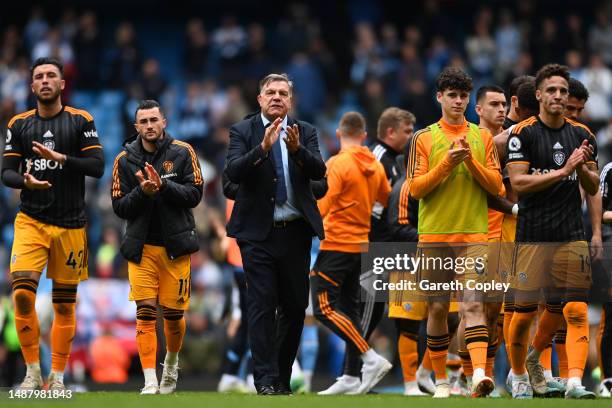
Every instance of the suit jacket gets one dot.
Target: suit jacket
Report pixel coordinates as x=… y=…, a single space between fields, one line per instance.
x=248 y=166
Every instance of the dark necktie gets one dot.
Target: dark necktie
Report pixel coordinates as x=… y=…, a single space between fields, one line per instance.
x=281 y=189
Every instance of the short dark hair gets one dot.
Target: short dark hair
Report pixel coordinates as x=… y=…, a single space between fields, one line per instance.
x=482 y=91
x=526 y=96
x=578 y=90
x=45 y=61
x=517 y=82
x=352 y=124
x=551 y=70
x=148 y=104
x=454 y=78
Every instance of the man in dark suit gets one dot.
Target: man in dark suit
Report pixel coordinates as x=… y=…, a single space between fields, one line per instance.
x=274 y=158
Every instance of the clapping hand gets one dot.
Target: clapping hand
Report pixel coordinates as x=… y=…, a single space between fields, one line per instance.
x=271 y=135
x=150 y=186
x=292 y=140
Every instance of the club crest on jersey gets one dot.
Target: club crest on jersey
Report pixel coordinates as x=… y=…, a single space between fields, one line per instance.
x=514 y=144
x=167 y=166
x=49 y=144
x=559 y=157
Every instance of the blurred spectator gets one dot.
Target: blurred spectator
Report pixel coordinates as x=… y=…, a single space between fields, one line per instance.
x=295 y=31
x=600 y=36
x=573 y=35
x=573 y=59
x=308 y=86
x=69 y=25
x=389 y=40
x=15 y=81
x=87 y=46
x=124 y=58
x=36 y=28
x=365 y=50
x=257 y=63
x=546 y=45
x=438 y=57
x=412 y=81
x=507 y=42
x=374 y=102
x=108 y=256
x=598 y=80
x=229 y=42
x=152 y=83
x=194 y=116
x=481 y=50
x=109 y=360
x=53 y=45
x=196 y=49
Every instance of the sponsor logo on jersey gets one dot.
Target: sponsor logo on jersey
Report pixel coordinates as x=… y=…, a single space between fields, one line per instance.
x=514 y=144
x=8 y=147
x=559 y=157
x=168 y=166
x=90 y=133
x=48 y=134
x=41 y=164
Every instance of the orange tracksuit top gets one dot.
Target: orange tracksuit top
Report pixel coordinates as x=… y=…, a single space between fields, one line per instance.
x=356 y=180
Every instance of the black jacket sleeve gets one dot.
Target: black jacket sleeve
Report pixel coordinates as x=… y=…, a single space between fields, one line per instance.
x=230 y=190
x=128 y=201
x=308 y=157
x=319 y=188
x=240 y=161
x=91 y=163
x=188 y=192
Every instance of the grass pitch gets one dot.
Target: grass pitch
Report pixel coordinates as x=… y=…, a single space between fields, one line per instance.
x=213 y=399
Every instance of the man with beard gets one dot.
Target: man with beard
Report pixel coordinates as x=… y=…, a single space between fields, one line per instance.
x=156 y=182
x=49 y=151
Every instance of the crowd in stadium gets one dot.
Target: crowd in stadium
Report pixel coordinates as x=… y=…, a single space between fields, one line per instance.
x=210 y=82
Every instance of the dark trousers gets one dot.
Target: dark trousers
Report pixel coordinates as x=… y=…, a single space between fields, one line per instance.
x=277 y=295
x=239 y=343
x=335 y=298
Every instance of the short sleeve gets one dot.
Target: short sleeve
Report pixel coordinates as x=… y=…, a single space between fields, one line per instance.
x=13 y=146
x=89 y=136
x=518 y=146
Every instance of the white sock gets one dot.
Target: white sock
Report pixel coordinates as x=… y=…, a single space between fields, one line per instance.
x=171 y=358
x=410 y=384
x=59 y=375
x=478 y=373
x=520 y=377
x=423 y=372
x=33 y=367
x=369 y=356
x=150 y=375
x=548 y=375
x=510 y=373
x=442 y=381
x=574 y=382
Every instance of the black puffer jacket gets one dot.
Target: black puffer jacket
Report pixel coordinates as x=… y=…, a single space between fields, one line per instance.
x=178 y=166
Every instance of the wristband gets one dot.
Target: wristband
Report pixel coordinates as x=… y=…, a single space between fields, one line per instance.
x=515 y=210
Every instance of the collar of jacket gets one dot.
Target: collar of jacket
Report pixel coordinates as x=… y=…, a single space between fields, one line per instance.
x=136 y=152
